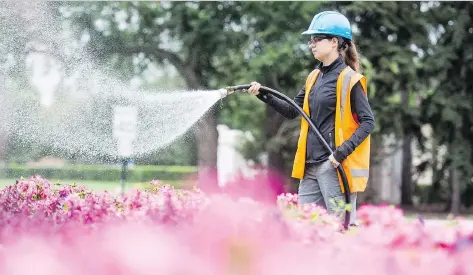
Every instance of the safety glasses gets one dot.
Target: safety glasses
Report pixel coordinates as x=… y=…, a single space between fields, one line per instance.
x=316 y=38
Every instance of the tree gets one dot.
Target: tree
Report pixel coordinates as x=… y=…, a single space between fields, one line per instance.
x=17 y=97
x=391 y=35
x=448 y=108
x=276 y=55
x=187 y=35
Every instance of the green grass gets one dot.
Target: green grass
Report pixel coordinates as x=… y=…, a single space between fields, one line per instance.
x=94 y=185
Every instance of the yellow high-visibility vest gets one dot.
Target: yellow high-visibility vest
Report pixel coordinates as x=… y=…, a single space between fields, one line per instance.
x=356 y=165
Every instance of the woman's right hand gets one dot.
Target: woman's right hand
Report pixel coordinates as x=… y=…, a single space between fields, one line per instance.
x=254 y=89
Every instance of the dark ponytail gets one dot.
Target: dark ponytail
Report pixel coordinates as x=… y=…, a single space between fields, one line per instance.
x=350 y=55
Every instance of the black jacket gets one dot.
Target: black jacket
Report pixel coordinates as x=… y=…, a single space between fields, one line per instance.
x=322 y=101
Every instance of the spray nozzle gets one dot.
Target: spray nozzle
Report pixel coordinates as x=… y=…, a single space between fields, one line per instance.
x=231 y=89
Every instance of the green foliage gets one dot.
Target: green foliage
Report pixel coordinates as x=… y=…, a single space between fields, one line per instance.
x=242 y=111
x=181 y=33
x=448 y=108
x=386 y=33
x=190 y=36
x=181 y=151
x=277 y=56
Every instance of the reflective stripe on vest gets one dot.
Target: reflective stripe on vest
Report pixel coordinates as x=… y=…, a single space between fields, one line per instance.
x=346 y=82
x=360 y=173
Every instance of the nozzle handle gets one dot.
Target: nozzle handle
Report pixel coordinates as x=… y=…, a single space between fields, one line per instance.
x=239 y=87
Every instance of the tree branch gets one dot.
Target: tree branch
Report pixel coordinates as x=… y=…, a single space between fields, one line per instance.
x=187 y=71
x=155 y=52
x=275 y=82
x=193 y=57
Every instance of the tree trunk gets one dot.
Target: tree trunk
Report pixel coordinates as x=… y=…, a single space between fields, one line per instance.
x=406 y=174
x=372 y=193
x=455 y=187
x=406 y=185
x=3 y=141
x=434 y=189
x=274 y=121
x=206 y=135
x=275 y=158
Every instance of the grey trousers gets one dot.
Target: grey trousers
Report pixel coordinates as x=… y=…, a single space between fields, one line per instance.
x=320 y=185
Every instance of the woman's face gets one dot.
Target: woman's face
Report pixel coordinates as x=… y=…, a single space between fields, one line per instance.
x=322 y=46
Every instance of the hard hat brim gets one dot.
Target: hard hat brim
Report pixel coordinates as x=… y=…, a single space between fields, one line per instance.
x=311 y=32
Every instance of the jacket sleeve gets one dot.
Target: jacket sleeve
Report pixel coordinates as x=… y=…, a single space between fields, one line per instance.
x=281 y=106
x=362 y=108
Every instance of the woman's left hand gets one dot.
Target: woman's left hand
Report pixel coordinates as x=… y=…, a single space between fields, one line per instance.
x=333 y=161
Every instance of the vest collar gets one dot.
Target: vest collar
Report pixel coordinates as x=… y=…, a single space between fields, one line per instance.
x=325 y=69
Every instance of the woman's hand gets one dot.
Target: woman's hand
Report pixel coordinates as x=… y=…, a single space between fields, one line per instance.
x=254 y=89
x=334 y=162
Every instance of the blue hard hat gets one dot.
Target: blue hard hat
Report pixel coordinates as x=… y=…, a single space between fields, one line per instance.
x=331 y=23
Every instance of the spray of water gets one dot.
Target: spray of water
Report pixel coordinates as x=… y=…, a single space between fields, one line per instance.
x=76 y=115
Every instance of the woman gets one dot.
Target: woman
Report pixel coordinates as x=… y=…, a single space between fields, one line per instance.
x=334 y=88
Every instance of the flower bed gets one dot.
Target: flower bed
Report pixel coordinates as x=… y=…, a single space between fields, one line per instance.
x=49 y=229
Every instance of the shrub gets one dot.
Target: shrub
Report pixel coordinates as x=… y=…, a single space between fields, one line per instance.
x=141 y=173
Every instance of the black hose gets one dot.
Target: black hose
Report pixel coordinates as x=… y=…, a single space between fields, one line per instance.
x=314 y=128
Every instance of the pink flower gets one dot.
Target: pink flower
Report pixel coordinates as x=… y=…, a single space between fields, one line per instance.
x=47 y=229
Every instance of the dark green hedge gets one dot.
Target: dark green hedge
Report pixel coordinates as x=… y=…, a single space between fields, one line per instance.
x=140 y=173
